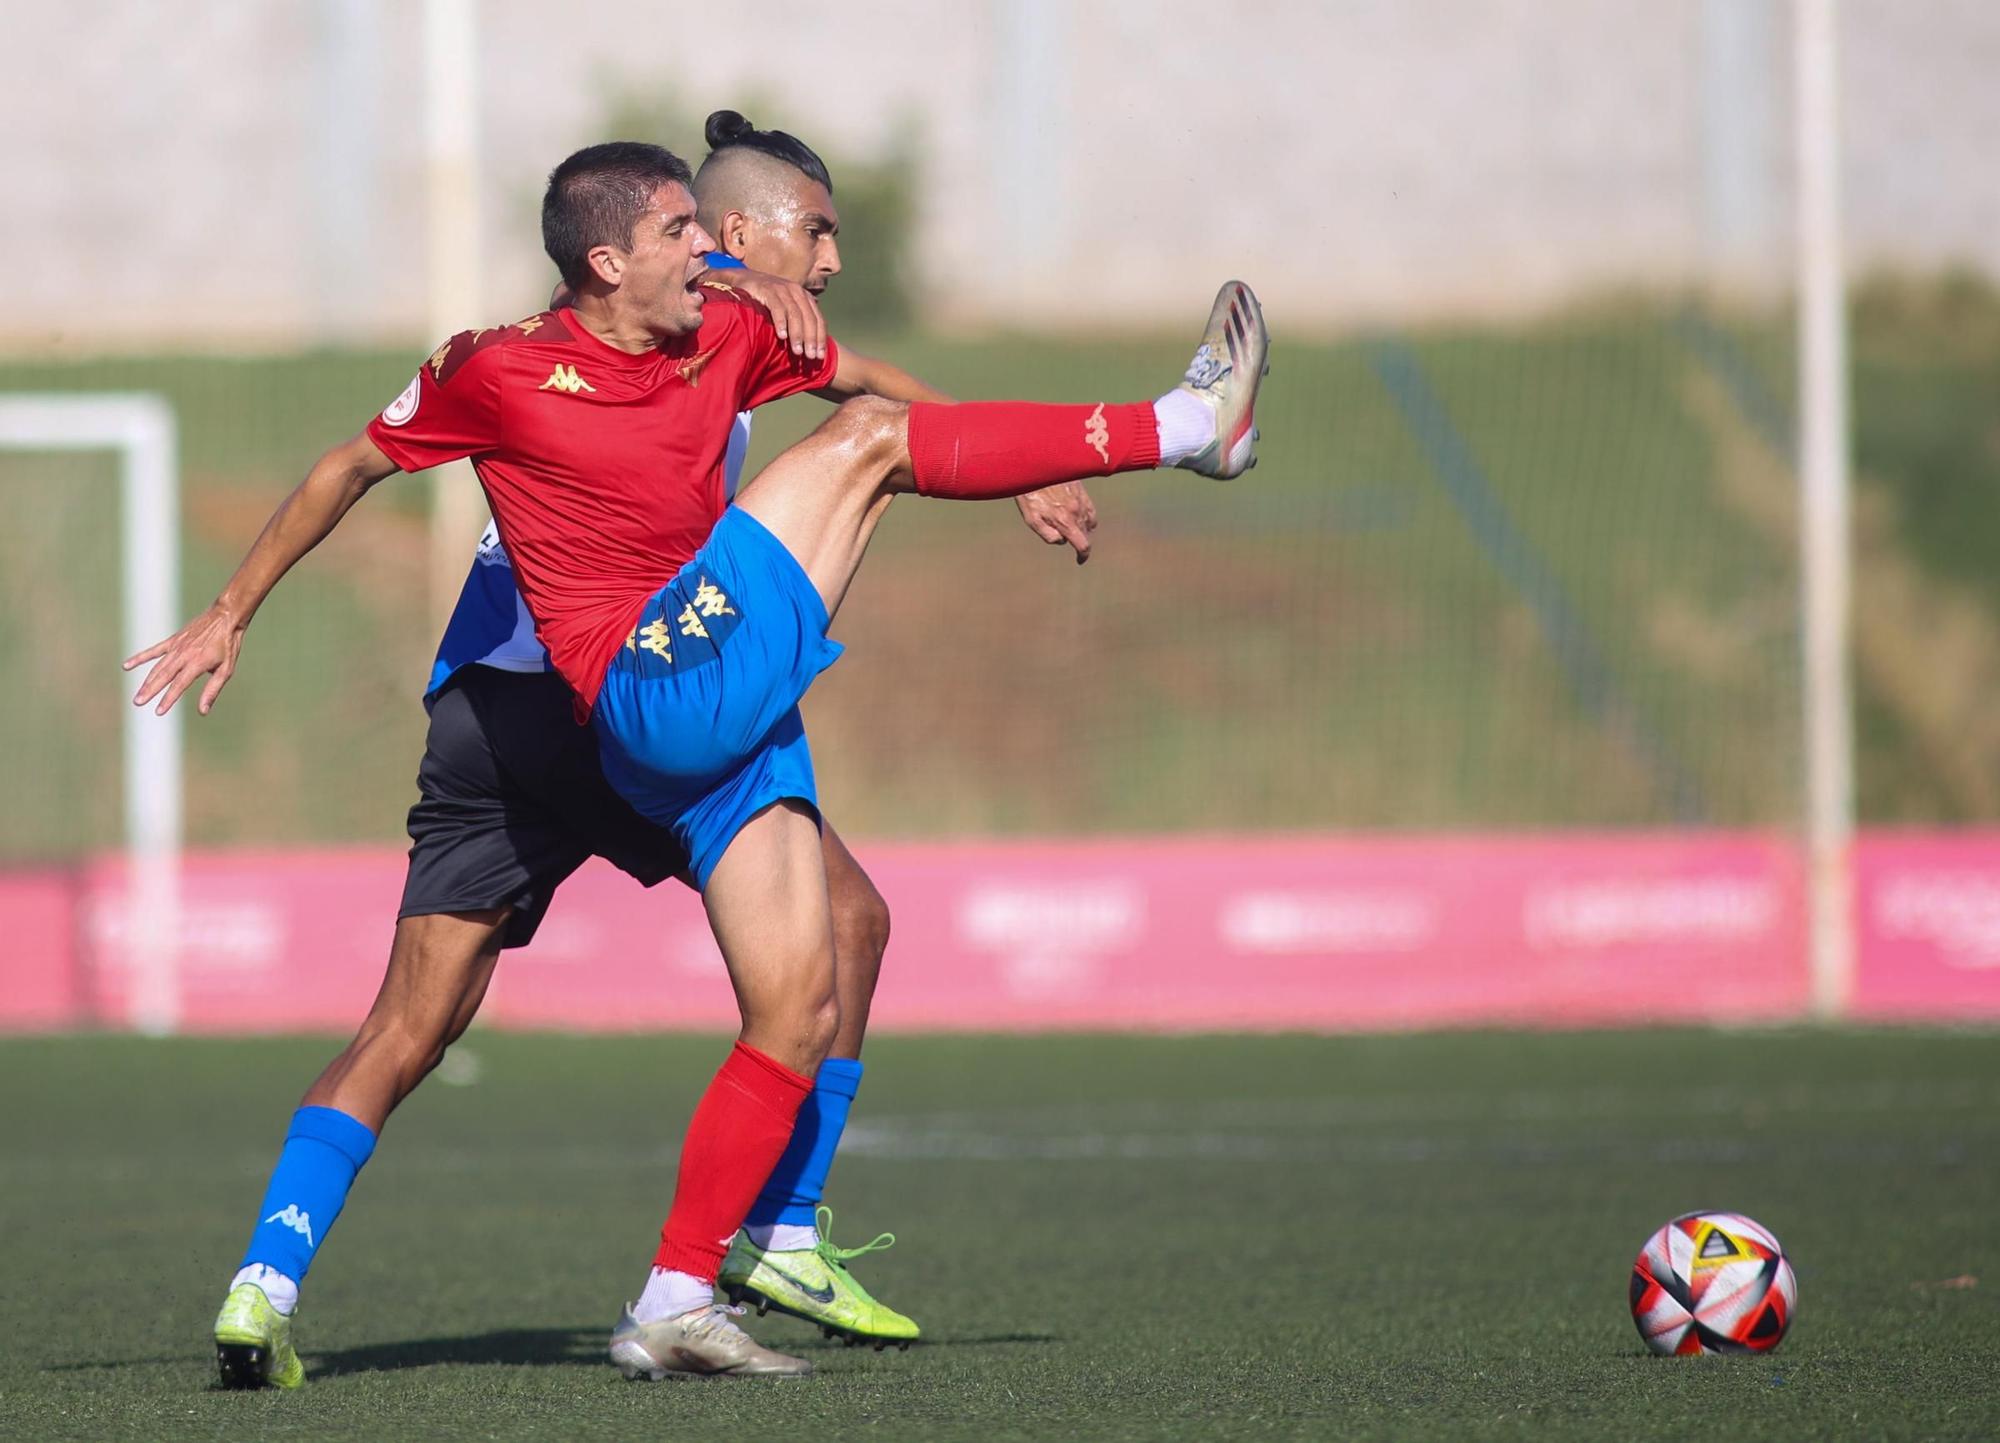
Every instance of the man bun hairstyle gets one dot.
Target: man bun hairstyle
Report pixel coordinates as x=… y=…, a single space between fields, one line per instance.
x=728 y=130
x=596 y=197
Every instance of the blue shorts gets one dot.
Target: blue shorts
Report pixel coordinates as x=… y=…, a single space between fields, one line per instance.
x=698 y=720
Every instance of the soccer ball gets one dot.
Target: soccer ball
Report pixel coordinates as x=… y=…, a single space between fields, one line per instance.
x=1713 y=1283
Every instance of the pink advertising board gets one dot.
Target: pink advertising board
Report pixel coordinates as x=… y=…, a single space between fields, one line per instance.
x=41 y=981
x=1927 y=912
x=1182 y=933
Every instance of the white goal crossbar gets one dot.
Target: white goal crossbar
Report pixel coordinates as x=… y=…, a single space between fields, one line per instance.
x=140 y=428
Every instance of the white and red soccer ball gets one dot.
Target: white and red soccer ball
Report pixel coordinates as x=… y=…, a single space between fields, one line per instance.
x=1713 y=1283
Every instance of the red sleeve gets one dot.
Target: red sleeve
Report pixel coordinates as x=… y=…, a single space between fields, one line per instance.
x=770 y=371
x=449 y=411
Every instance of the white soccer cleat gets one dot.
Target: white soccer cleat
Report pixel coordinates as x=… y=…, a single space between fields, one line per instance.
x=1228 y=366
x=705 y=1343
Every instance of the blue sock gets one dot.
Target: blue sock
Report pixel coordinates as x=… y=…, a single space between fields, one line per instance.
x=323 y=1151
x=799 y=1180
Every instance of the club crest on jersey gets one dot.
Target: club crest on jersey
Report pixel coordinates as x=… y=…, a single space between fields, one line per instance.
x=694 y=365
x=565 y=379
x=399 y=411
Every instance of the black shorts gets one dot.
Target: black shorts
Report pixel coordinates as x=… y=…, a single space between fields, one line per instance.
x=512 y=799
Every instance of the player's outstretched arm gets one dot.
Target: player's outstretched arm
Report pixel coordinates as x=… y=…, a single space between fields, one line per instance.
x=1060 y=515
x=208 y=645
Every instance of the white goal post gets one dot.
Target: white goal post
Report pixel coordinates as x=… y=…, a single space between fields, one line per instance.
x=1825 y=508
x=141 y=430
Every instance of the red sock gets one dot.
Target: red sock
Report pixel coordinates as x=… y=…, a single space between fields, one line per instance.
x=738 y=1133
x=987 y=449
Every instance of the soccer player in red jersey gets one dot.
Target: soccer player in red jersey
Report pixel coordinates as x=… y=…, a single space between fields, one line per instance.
x=512 y=796
x=512 y=799
x=689 y=630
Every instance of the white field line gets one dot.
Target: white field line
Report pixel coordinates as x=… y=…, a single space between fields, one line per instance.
x=1357 y=1131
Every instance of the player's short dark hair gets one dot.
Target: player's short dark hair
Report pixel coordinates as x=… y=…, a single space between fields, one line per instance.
x=728 y=130
x=596 y=197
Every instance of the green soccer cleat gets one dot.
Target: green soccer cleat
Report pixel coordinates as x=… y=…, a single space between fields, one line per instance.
x=253 y=1342
x=813 y=1284
x=1228 y=367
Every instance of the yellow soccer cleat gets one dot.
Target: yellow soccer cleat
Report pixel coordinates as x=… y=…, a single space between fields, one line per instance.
x=253 y=1342
x=813 y=1284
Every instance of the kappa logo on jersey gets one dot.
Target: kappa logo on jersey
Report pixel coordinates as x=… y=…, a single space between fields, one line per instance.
x=291 y=1217
x=1097 y=432
x=436 y=362
x=693 y=366
x=565 y=379
x=399 y=411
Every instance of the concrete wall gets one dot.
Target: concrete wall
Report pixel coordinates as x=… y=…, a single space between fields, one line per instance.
x=253 y=172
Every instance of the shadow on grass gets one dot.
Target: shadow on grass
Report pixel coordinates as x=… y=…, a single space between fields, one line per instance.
x=521 y=1347
x=517 y=1347
x=836 y=1345
x=560 y=1347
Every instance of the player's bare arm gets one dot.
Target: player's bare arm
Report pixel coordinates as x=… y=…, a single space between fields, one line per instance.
x=208 y=645
x=1060 y=515
x=793 y=310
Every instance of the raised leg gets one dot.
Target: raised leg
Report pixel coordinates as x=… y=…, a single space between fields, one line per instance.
x=824 y=497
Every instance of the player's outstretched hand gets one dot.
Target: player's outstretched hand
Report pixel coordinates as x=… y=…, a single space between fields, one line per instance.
x=1061 y=515
x=793 y=310
x=209 y=643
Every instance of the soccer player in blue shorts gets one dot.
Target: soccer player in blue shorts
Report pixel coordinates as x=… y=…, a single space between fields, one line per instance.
x=689 y=627
x=767 y=199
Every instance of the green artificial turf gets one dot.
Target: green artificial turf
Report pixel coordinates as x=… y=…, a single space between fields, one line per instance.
x=1413 y=1237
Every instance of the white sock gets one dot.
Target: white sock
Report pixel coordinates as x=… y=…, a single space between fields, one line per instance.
x=1186 y=425
x=783 y=1237
x=668 y=1294
x=281 y=1290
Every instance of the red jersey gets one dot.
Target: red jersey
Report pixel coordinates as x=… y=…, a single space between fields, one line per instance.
x=604 y=469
